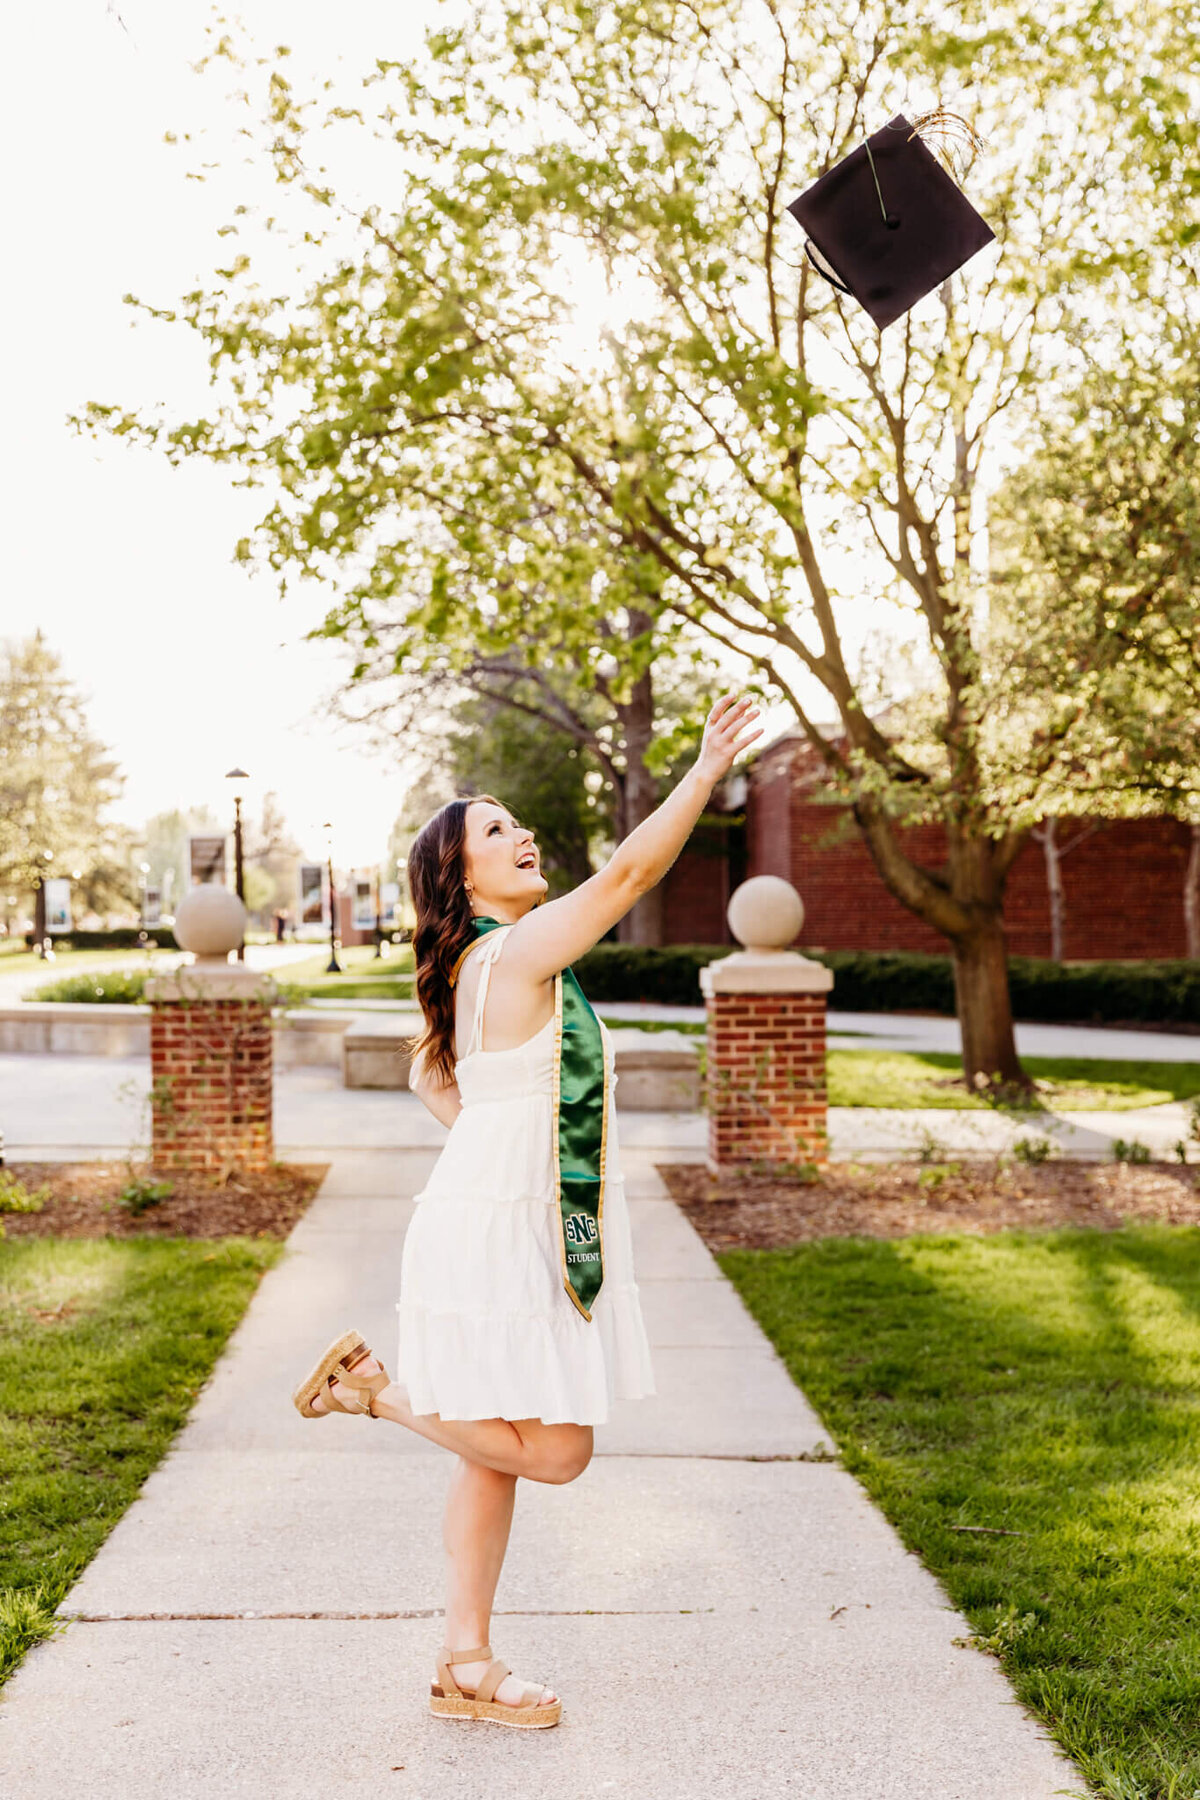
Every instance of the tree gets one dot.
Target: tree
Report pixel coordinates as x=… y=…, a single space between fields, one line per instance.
x=165 y=847
x=625 y=755
x=1098 y=582
x=429 y=428
x=272 y=857
x=56 y=781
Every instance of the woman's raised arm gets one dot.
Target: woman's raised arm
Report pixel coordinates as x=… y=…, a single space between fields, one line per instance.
x=553 y=936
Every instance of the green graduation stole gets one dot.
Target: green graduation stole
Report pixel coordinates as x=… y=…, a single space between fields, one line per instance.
x=581 y=1094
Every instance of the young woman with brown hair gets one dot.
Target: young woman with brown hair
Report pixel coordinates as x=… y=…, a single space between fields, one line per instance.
x=519 y=1319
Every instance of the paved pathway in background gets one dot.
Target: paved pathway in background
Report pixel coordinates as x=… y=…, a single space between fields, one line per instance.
x=16 y=982
x=55 y=1106
x=721 y=1614
x=912 y=1031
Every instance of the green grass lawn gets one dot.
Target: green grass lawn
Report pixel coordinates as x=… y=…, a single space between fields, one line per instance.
x=365 y=978
x=1041 y=1384
x=903 y=1078
x=68 y=962
x=927 y=1078
x=104 y=1345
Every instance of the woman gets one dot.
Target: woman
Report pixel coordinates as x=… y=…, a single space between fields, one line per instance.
x=519 y=1314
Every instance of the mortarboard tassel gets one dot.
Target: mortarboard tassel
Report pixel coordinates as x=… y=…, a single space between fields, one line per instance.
x=942 y=131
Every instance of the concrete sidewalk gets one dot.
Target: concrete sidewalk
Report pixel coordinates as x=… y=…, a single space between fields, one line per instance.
x=56 y=1107
x=263 y=1620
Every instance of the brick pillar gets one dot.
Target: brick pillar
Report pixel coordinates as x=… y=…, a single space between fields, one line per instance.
x=766 y=1092
x=211 y=1069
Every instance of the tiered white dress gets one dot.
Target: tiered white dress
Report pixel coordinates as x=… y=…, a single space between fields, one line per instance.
x=486 y=1327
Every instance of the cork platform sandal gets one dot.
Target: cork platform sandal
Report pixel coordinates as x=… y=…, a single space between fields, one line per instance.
x=449 y=1701
x=335 y=1364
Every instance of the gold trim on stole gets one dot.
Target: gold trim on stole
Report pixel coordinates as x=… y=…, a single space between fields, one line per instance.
x=555 y=1098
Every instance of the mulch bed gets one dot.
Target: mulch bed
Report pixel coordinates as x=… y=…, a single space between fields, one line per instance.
x=886 y=1200
x=85 y=1202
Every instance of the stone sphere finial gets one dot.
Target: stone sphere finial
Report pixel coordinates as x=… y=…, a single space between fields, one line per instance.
x=765 y=913
x=209 y=921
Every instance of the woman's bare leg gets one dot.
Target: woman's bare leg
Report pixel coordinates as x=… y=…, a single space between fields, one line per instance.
x=479 y=1510
x=553 y=1453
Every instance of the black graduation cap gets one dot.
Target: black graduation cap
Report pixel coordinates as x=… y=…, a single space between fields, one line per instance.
x=887 y=224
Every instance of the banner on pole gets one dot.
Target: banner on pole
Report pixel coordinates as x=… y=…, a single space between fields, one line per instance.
x=364 y=900
x=313 y=885
x=58 y=904
x=206 y=860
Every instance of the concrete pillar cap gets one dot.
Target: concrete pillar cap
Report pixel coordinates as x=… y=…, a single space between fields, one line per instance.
x=210 y=921
x=765 y=914
x=211 y=981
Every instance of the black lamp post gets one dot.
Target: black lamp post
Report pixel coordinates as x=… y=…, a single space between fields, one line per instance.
x=333 y=966
x=239 y=869
x=143 y=934
x=378 y=957
x=39 y=904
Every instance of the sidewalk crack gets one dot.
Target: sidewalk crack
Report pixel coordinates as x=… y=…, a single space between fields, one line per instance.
x=425 y=1612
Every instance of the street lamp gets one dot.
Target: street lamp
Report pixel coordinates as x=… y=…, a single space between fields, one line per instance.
x=144 y=869
x=378 y=957
x=239 y=873
x=333 y=966
x=39 y=905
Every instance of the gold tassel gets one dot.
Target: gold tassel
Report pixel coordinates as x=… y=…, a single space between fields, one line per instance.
x=948 y=135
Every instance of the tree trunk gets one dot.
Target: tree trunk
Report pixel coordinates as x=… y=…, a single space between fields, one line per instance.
x=1191 y=896
x=964 y=902
x=984 y=1006
x=1054 y=888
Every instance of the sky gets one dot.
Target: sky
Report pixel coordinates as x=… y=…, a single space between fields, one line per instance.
x=191 y=665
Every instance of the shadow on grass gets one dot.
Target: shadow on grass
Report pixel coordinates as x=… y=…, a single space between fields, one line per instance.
x=1043 y=1384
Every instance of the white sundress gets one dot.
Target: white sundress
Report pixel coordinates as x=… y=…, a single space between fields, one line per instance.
x=486 y=1327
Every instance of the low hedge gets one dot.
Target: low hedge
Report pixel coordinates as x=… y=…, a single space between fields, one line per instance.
x=124 y=987
x=669 y=976
x=1095 y=993
x=1098 y=993
x=124 y=937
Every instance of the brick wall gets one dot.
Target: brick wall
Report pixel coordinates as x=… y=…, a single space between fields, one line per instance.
x=348 y=932
x=210 y=1071
x=1122 y=879
x=700 y=882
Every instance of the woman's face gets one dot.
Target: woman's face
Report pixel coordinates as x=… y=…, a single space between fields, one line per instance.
x=494 y=847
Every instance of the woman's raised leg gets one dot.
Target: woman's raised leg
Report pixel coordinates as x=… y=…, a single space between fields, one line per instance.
x=539 y=1452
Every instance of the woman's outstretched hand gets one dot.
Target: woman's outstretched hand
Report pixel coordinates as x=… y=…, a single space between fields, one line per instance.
x=722 y=742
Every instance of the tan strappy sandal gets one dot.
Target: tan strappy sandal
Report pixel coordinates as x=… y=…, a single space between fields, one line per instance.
x=335 y=1364
x=450 y=1701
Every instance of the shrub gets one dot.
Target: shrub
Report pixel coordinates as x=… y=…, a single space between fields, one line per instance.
x=1133 y=1151
x=124 y=937
x=669 y=976
x=1125 y=993
x=126 y=986
x=1032 y=1150
x=142 y=1193
x=15 y=1197
x=936 y=1173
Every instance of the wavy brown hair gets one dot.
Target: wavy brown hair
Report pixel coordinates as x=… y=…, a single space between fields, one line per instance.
x=445 y=927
